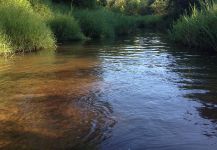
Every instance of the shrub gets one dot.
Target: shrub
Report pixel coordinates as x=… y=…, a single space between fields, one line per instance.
x=94 y=23
x=65 y=28
x=103 y=23
x=131 y=7
x=79 y=3
x=160 y=7
x=124 y=24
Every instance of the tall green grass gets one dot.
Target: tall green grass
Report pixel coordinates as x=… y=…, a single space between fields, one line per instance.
x=25 y=30
x=103 y=23
x=5 y=45
x=199 y=30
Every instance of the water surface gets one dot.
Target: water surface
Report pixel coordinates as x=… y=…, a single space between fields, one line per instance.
x=134 y=93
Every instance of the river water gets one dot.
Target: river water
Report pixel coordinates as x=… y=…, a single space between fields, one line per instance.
x=134 y=93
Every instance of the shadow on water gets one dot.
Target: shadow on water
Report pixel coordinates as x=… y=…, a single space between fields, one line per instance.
x=198 y=74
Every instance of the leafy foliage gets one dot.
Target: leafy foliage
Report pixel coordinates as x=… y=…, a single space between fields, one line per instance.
x=79 y=3
x=197 y=30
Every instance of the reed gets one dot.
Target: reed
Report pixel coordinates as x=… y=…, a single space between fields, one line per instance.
x=197 y=30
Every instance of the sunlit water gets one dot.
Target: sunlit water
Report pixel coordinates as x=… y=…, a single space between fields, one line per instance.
x=136 y=93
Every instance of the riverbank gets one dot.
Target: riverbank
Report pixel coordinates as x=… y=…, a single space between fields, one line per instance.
x=197 y=30
x=33 y=25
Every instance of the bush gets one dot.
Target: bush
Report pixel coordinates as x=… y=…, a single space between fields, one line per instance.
x=43 y=9
x=160 y=7
x=65 y=28
x=131 y=7
x=25 y=30
x=94 y=23
x=197 y=30
x=103 y=23
x=124 y=24
x=79 y=3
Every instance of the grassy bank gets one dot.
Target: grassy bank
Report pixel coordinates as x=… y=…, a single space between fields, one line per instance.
x=21 y=29
x=30 y=25
x=102 y=23
x=197 y=30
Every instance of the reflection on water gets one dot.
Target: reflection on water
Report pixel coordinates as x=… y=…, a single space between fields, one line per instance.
x=134 y=93
x=199 y=76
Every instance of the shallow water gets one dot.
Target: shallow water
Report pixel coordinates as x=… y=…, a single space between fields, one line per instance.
x=134 y=93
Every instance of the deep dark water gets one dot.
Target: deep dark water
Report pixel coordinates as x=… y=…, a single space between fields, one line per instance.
x=135 y=93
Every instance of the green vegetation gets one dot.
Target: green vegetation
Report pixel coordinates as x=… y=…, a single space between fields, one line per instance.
x=60 y=20
x=103 y=23
x=197 y=30
x=29 y=25
x=65 y=28
x=5 y=45
x=21 y=29
x=95 y=23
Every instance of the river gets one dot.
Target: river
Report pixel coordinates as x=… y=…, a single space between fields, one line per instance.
x=134 y=93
